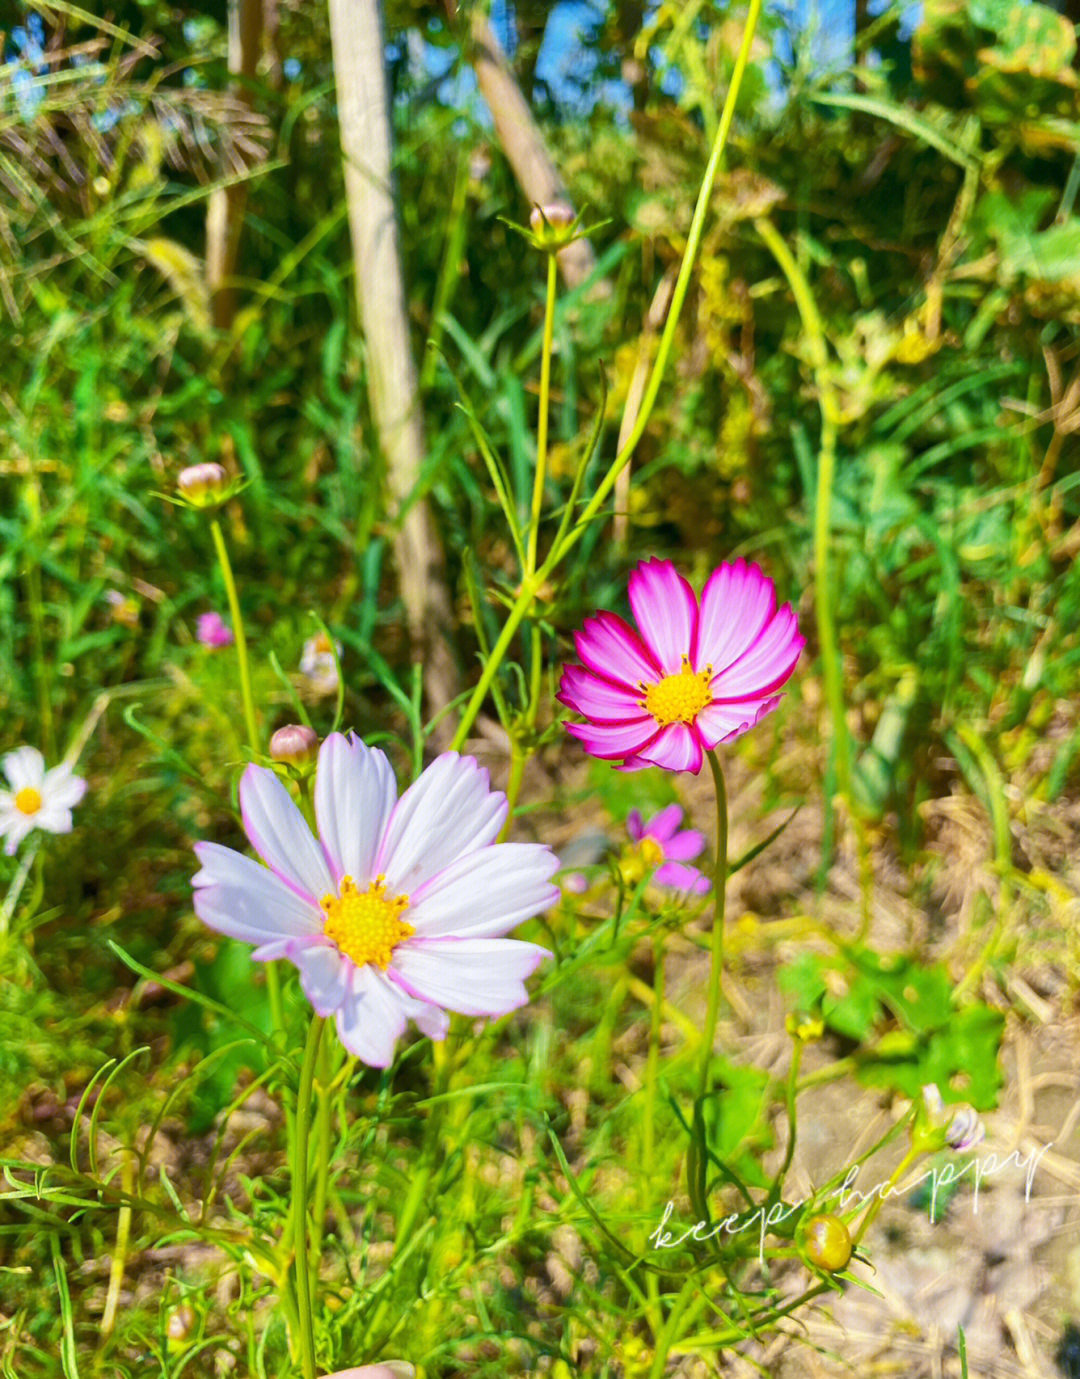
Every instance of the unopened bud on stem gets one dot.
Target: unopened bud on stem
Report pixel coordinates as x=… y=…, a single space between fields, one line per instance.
x=295 y=745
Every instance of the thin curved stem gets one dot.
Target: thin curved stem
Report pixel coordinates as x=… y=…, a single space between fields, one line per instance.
x=250 y=721
x=304 y=1288
x=542 y=416
x=720 y=875
x=570 y=538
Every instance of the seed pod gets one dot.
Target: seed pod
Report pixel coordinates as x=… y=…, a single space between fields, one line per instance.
x=827 y=1243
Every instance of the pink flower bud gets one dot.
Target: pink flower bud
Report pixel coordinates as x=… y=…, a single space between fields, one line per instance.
x=203 y=485
x=295 y=744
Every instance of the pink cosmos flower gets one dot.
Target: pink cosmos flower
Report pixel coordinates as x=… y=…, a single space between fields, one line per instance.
x=667 y=850
x=397 y=910
x=211 y=630
x=691 y=677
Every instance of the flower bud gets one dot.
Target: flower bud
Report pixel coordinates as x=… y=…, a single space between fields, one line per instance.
x=203 y=485
x=827 y=1243
x=295 y=745
x=553 y=226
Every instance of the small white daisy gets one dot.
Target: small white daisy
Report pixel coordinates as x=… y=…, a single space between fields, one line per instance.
x=397 y=910
x=37 y=798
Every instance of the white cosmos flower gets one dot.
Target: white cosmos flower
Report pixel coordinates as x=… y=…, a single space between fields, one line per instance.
x=397 y=910
x=37 y=798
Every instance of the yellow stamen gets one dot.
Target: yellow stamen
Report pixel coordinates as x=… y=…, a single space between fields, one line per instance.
x=366 y=925
x=28 y=800
x=678 y=698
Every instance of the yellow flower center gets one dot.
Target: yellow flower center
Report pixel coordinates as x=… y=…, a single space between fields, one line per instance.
x=366 y=925
x=28 y=800
x=678 y=698
x=651 y=852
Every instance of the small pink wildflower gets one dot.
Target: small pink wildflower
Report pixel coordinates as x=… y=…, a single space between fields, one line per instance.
x=663 y=847
x=211 y=630
x=694 y=675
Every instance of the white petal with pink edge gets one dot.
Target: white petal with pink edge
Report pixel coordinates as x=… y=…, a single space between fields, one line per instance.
x=665 y=610
x=355 y=793
x=281 y=836
x=238 y=897
x=472 y=976
x=486 y=893
x=324 y=975
x=448 y=812
x=372 y=1017
x=61 y=787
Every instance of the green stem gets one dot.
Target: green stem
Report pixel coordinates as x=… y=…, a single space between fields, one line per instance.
x=324 y=1076
x=238 y=632
x=648 y=1147
x=542 y=417
x=304 y=1288
x=561 y=548
x=720 y=875
x=273 y=979
x=830 y=420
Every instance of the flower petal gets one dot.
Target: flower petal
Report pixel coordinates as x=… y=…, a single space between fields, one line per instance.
x=766 y=663
x=474 y=976
x=676 y=748
x=662 y=826
x=611 y=740
x=16 y=830
x=61 y=787
x=635 y=826
x=372 y=1017
x=355 y=793
x=53 y=818
x=736 y=603
x=678 y=877
x=448 y=812
x=324 y=975
x=24 y=768
x=599 y=699
x=685 y=846
x=281 y=836
x=722 y=722
x=610 y=647
x=665 y=610
x=237 y=897
x=487 y=893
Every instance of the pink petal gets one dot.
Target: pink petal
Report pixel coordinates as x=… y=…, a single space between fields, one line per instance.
x=665 y=610
x=611 y=740
x=736 y=603
x=635 y=826
x=722 y=722
x=685 y=846
x=471 y=976
x=766 y=663
x=608 y=646
x=663 y=825
x=676 y=748
x=681 y=878
x=598 y=699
